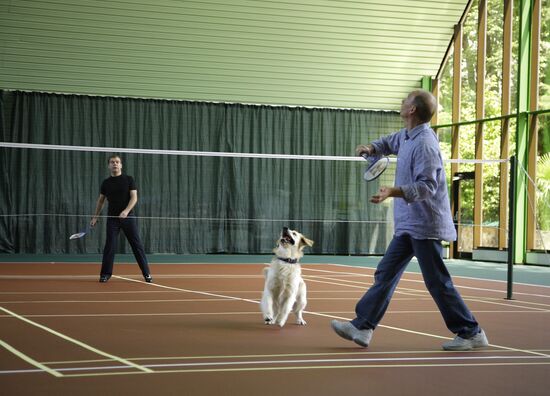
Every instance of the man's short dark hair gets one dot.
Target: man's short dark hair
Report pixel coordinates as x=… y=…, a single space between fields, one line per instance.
x=425 y=104
x=113 y=156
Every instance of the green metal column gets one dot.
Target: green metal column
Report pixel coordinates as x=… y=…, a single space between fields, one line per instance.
x=522 y=133
x=426 y=83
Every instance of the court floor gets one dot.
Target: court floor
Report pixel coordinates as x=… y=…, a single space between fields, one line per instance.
x=197 y=330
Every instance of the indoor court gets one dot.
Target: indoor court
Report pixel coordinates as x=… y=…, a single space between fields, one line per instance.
x=173 y=172
x=198 y=330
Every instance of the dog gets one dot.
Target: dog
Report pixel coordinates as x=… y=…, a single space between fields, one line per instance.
x=284 y=289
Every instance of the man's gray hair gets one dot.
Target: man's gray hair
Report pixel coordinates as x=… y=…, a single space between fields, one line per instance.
x=425 y=104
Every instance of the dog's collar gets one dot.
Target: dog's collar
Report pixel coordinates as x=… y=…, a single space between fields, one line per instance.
x=288 y=260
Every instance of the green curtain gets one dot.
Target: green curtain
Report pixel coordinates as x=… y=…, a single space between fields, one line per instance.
x=190 y=204
x=6 y=205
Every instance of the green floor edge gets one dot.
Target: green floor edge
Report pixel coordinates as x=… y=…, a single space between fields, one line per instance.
x=535 y=275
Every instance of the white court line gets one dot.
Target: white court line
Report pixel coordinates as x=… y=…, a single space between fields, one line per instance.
x=165 y=276
x=28 y=359
x=294 y=368
x=74 y=341
x=318 y=314
x=302 y=361
x=421 y=281
x=224 y=298
x=306 y=266
x=116 y=315
x=110 y=301
x=397 y=291
x=502 y=299
x=154 y=291
x=45 y=293
x=187 y=290
x=511 y=304
x=521 y=360
x=329 y=316
x=289 y=355
x=184 y=358
x=363 y=287
x=418 y=273
x=441 y=337
x=415 y=298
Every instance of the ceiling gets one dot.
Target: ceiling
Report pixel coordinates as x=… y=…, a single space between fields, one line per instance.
x=363 y=54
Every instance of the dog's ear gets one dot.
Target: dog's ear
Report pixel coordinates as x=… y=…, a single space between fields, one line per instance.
x=305 y=242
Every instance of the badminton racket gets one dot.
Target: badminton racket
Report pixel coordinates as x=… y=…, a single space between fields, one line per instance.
x=377 y=166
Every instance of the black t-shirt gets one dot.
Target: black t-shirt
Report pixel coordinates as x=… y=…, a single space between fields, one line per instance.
x=117 y=190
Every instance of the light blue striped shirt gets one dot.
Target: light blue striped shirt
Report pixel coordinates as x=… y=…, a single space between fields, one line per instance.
x=425 y=211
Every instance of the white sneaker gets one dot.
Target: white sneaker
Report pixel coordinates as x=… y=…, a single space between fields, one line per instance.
x=350 y=332
x=467 y=344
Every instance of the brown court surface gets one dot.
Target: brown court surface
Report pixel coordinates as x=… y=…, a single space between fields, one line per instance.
x=197 y=330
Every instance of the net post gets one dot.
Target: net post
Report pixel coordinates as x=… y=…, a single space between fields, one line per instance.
x=511 y=221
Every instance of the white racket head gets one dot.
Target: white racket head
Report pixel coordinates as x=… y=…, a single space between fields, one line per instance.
x=80 y=234
x=376 y=168
x=77 y=235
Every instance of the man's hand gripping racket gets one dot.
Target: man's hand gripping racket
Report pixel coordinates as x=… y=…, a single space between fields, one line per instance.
x=82 y=233
x=376 y=163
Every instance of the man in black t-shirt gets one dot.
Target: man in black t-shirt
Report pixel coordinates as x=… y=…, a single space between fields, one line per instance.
x=121 y=192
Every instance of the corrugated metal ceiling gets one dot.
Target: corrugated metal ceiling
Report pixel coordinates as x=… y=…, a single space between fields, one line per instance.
x=360 y=54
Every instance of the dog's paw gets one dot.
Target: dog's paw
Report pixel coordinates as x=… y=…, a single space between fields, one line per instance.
x=301 y=322
x=268 y=321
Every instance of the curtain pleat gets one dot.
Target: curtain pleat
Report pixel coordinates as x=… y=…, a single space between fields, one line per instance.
x=190 y=204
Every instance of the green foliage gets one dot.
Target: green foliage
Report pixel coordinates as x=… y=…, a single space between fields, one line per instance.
x=543 y=197
x=493 y=97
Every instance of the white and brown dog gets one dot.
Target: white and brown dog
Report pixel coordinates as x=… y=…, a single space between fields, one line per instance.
x=284 y=289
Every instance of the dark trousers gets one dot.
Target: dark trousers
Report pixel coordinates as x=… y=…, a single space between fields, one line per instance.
x=130 y=229
x=371 y=307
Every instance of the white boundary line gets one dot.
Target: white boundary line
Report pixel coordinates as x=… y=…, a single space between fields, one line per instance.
x=304 y=265
x=331 y=316
x=229 y=313
x=289 y=355
x=418 y=273
x=111 y=301
x=74 y=341
x=294 y=368
x=28 y=359
x=421 y=281
x=537 y=354
x=532 y=305
x=301 y=361
x=425 y=291
x=358 y=285
x=513 y=303
x=441 y=337
x=187 y=290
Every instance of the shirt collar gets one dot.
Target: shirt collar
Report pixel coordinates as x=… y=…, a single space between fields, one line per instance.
x=417 y=130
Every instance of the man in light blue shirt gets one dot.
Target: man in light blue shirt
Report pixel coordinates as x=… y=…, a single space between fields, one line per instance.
x=422 y=220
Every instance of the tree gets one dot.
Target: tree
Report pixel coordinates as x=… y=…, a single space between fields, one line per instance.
x=493 y=95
